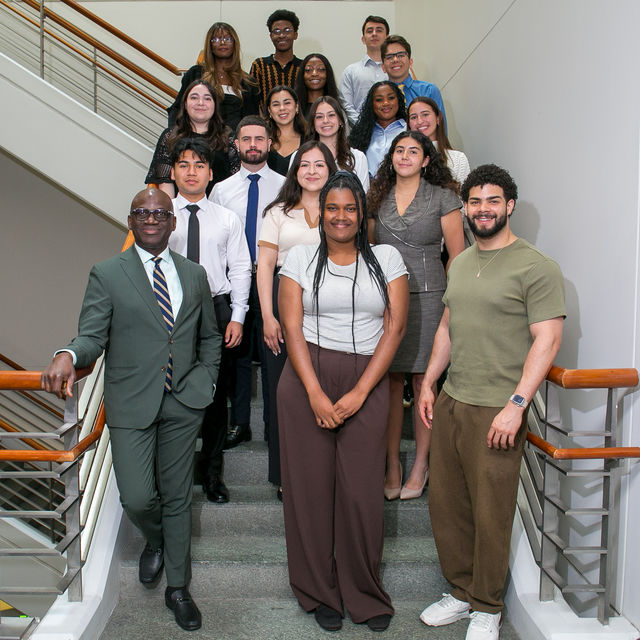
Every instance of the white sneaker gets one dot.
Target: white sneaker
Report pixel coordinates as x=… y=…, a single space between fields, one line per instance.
x=484 y=626
x=445 y=611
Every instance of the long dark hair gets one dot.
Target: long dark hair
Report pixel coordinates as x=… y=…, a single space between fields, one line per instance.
x=234 y=71
x=435 y=172
x=217 y=133
x=361 y=133
x=344 y=157
x=291 y=191
x=348 y=180
x=299 y=124
x=441 y=136
x=330 y=88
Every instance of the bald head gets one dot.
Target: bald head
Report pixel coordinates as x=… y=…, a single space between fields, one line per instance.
x=152 y=234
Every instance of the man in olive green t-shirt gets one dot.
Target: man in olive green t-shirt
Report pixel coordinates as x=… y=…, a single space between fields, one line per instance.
x=500 y=332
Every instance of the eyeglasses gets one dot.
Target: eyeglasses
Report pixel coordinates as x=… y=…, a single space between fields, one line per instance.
x=278 y=32
x=222 y=40
x=401 y=55
x=159 y=215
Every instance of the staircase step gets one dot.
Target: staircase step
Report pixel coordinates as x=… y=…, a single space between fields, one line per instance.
x=225 y=618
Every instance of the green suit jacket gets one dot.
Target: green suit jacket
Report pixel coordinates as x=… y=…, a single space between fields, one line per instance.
x=120 y=316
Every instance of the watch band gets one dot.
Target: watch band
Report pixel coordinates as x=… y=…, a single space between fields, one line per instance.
x=519 y=401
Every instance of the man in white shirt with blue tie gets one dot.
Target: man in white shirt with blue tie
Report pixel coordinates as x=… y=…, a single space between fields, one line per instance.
x=247 y=193
x=211 y=235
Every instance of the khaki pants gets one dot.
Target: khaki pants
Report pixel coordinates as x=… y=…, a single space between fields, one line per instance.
x=472 y=499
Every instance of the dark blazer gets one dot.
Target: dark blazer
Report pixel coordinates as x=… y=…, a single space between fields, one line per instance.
x=120 y=316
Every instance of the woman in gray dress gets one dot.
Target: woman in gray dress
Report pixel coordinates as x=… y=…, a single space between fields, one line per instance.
x=415 y=205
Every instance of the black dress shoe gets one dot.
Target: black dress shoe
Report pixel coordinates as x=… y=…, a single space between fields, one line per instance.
x=150 y=565
x=328 y=618
x=279 y=494
x=216 y=490
x=236 y=434
x=187 y=614
x=379 y=623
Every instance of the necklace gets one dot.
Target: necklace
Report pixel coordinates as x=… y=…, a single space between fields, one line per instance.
x=480 y=270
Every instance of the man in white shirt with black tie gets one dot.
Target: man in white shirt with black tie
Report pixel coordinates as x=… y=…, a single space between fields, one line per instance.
x=247 y=193
x=212 y=235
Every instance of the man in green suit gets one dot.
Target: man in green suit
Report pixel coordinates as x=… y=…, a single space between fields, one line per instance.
x=150 y=311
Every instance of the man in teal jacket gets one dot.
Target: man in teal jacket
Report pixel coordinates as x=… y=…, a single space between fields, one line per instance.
x=150 y=311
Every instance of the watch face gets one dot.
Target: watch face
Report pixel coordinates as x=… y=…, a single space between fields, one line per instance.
x=519 y=400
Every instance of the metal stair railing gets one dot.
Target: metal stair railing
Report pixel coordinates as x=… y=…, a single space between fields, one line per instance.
x=77 y=61
x=545 y=494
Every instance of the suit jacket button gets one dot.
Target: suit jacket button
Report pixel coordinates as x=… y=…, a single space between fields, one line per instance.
x=163 y=368
x=170 y=340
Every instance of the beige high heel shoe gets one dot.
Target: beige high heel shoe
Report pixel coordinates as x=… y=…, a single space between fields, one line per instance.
x=393 y=493
x=410 y=494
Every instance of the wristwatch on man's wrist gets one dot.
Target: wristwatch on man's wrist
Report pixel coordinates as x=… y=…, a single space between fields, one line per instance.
x=519 y=401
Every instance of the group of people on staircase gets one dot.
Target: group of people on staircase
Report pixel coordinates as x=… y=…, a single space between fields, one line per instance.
x=301 y=222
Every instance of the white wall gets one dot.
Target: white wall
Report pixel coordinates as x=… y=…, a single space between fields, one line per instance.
x=549 y=91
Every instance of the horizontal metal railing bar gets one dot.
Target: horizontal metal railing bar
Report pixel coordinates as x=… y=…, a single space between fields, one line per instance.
x=32 y=442
x=122 y=36
x=583 y=511
x=27 y=499
x=55 y=514
x=565 y=548
x=28 y=591
x=61 y=547
x=578 y=473
x=593 y=378
x=56 y=475
x=67 y=579
x=46 y=435
x=576 y=433
x=565 y=587
x=36 y=551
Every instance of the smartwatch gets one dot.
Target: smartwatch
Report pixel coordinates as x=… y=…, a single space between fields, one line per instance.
x=519 y=401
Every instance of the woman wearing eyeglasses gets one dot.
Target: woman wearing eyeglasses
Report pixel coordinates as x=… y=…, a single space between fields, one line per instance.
x=236 y=91
x=314 y=81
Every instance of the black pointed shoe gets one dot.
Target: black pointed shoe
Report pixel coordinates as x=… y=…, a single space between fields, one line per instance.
x=150 y=565
x=237 y=434
x=216 y=490
x=187 y=614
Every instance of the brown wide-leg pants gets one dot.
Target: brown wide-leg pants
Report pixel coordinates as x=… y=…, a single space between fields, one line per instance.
x=333 y=483
x=472 y=500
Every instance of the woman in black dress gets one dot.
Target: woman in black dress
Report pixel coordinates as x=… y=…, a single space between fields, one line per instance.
x=315 y=80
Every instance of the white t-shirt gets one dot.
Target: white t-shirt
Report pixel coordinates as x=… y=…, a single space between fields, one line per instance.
x=332 y=326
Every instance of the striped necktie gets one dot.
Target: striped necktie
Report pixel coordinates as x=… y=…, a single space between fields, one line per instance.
x=164 y=302
x=401 y=87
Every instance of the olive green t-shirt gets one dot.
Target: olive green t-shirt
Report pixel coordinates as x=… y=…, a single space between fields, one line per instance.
x=489 y=318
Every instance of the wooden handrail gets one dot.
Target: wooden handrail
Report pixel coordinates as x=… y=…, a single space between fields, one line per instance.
x=593 y=378
x=104 y=49
x=30 y=380
x=11 y=363
x=586 y=453
x=122 y=36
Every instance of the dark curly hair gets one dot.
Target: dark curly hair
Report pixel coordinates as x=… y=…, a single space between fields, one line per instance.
x=330 y=88
x=291 y=191
x=349 y=181
x=435 y=172
x=299 y=123
x=283 y=14
x=217 y=133
x=490 y=174
x=361 y=133
x=344 y=157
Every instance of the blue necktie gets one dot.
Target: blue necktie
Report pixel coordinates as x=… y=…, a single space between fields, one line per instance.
x=252 y=215
x=164 y=302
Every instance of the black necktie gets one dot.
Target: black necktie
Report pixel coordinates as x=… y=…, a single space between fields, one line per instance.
x=193 y=235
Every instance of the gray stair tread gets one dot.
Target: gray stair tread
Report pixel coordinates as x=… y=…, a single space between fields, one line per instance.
x=265 y=550
x=266 y=619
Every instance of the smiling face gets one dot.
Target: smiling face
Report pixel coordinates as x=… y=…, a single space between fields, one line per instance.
x=423 y=118
x=199 y=105
x=313 y=171
x=222 y=44
x=282 y=108
x=253 y=145
x=315 y=74
x=340 y=216
x=191 y=175
x=149 y=234
x=385 y=105
x=326 y=121
x=396 y=62
x=487 y=210
x=408 y=158
x=283 y=35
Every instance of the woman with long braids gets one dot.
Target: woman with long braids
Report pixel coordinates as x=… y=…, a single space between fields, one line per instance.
x=291 y=219
x=199 y=116
x=343 y=306
x=236 y=91
x=415 y=205
x=382 y=117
